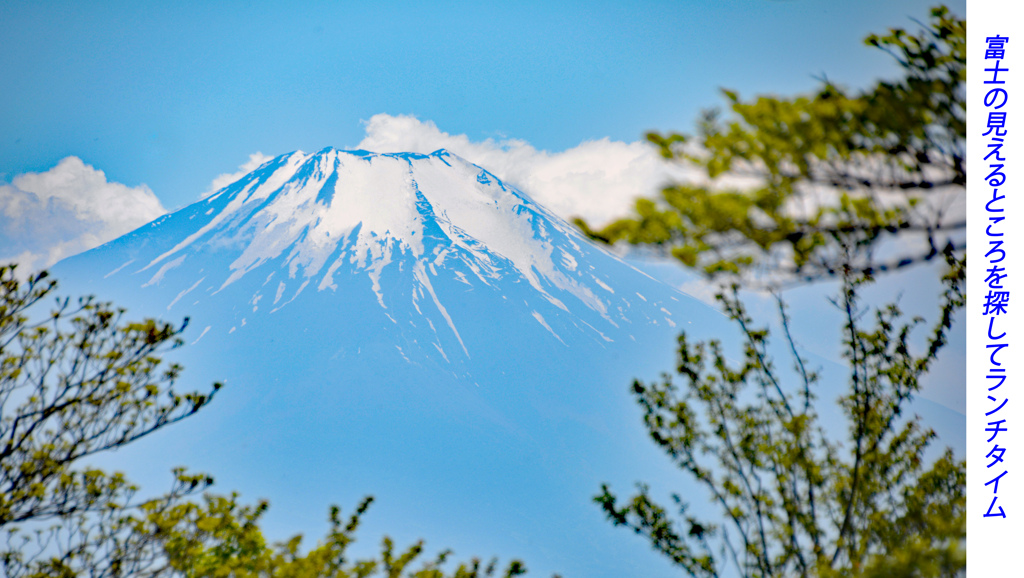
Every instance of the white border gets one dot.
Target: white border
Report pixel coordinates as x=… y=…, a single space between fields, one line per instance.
x=994 y=545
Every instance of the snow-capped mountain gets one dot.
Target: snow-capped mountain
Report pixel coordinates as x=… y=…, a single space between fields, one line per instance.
x=405 y=325
x=423 y=235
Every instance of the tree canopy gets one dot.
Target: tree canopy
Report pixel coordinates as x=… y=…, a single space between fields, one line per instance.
x=835 y=173
x=73 y=383
x=796 y=501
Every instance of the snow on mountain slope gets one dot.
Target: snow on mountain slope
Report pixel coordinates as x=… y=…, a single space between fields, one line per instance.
x=314 y=222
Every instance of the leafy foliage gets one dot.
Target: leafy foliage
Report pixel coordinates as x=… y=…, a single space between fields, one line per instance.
x=796 y=502
x=76 y=383
x=220 y=537
x=79 y=382
x=98 y=542
x=836 y=172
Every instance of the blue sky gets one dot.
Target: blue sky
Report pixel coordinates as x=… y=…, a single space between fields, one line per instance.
x=172 y=94
x=112 y=113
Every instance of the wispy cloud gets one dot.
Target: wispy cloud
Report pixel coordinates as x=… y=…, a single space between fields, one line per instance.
x=68 y=209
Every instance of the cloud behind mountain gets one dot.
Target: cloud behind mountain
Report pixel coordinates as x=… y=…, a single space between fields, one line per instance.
x=598 y=179
x=68 y=209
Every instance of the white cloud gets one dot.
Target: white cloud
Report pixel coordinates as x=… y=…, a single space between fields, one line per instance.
x=255 y=160
x=68 y=209
x=597 y=180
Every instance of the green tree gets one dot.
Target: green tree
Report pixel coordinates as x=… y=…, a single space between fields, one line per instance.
x=795 y=501
x=79 y=381
x=74 y=383
x=220 y=537
x=837 y=173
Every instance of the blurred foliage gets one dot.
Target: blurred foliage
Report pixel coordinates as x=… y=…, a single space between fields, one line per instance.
x=796 y=502
x=822 y=178
x=79 y=381
x=834 y=175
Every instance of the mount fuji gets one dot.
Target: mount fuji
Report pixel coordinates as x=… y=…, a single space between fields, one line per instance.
x=409 y=326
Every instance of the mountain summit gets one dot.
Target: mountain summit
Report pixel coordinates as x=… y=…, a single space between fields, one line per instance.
x=405 y=325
